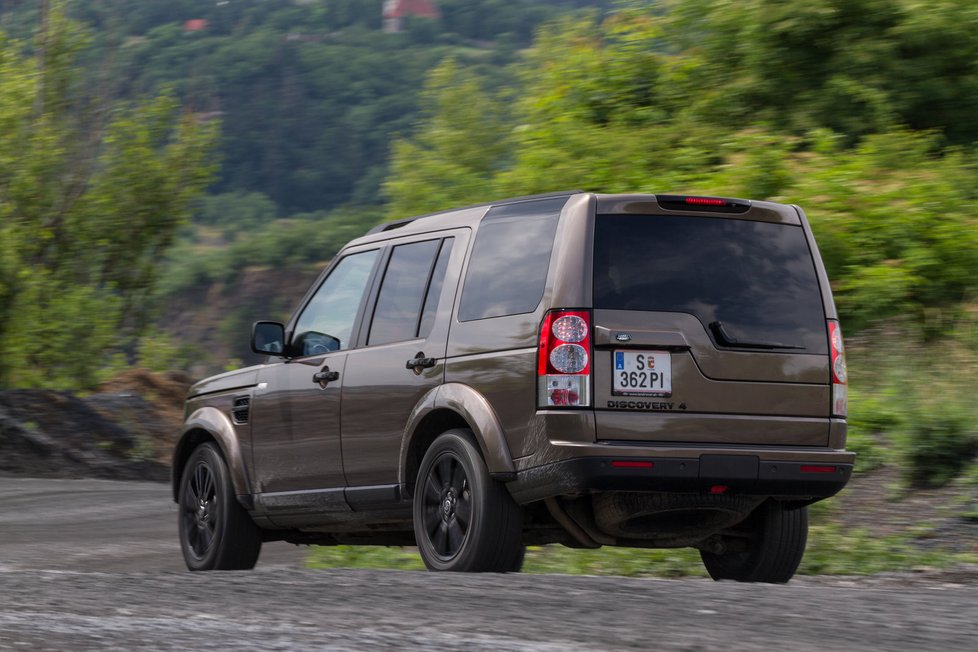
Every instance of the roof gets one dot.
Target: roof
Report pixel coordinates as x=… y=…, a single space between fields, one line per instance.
x=195 y=25
x=396 y=224
x=402 y=8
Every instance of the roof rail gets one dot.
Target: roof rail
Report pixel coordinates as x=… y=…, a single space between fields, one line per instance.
x=396 y=224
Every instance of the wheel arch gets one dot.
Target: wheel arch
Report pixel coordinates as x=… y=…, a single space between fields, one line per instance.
x=209 y=424
x=448 y=406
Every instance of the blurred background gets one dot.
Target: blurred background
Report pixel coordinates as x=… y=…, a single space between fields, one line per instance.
x=172 y=170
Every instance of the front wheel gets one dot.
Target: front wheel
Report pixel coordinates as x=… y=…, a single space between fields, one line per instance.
x=770 y=549
x=216 y=533
x=463 y=519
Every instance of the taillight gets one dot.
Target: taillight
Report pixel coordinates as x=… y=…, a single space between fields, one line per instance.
x=564 y=359
x=840 y=376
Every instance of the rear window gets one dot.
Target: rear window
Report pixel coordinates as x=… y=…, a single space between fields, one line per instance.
x=756 y=279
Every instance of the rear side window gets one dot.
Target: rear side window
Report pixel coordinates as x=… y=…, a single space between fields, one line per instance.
x=408 y=297
x=757 y=279
x=507 y=271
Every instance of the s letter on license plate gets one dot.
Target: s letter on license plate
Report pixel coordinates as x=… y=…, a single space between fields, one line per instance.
x=641 y=373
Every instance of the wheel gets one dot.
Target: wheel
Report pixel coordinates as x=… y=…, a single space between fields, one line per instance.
x=463 y=519
x=771 y=550
x=216 y=533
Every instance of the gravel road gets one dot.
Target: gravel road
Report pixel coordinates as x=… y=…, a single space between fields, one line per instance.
x=92 y=564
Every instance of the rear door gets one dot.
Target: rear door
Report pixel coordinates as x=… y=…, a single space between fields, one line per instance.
x=401 y=357
x=709 y=328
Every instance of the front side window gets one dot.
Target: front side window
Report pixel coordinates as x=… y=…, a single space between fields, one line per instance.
x=326 y=323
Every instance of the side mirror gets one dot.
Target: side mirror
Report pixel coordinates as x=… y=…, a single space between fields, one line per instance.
x=268 y=338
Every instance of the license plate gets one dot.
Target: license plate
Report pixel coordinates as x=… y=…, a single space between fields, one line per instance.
x=642 y=373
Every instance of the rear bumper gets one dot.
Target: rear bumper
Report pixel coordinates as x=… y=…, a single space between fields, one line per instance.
x=791 y=479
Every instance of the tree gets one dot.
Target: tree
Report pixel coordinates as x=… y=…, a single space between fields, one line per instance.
x=459 y=145
x=643 y=100
x=91 y=194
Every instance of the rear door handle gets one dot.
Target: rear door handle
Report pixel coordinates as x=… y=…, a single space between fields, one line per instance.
x=325 y=376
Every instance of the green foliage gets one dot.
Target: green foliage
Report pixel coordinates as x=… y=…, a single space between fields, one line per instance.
x=872 y=415
x=449 y=162
x=310 y=94
x=938 y=441
x=90 y=195
x=835 y=550
x=312 y=238
x=912 y=405
x=853 y=66
x=832 y=550
x=364 y=557
x=633 y=102
x=897 y=219
x=159 y=351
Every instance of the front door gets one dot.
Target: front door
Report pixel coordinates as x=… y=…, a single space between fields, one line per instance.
x=306 y=387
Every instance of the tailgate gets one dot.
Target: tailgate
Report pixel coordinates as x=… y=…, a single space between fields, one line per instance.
x=708 y=330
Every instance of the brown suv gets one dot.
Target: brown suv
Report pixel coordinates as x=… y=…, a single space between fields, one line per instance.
x=647 y=371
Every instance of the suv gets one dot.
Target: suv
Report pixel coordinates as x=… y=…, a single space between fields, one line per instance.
x=648 y=371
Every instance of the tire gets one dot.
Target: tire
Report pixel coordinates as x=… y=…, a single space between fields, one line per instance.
x=216 y=533
x=464 y=521
x=777 y=539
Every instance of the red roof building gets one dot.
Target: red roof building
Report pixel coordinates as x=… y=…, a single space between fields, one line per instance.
x=395 y=11
x=195 y=25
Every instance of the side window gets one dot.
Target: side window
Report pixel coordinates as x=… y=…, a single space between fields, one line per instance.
x=507 y=271
x=326 y=324
x=434 y=289
x=402 y=292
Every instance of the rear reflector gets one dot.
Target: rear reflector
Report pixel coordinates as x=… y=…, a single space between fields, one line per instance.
x=632 y=464
x=719 y=489
x=818 y=469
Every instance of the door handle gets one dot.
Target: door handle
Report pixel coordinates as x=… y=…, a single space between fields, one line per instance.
x=325 y=376
x=420 y=362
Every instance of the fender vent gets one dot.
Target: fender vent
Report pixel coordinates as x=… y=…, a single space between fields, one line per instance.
x=239 y=412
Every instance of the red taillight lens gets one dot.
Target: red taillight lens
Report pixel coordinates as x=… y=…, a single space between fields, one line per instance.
x=564 y=359
x=840 y=375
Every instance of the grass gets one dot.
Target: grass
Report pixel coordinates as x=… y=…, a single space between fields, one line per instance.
x=831 y=551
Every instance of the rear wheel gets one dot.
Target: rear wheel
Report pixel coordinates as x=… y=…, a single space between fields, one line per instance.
x=770 y=550
x=463 y=519
x=216 y=533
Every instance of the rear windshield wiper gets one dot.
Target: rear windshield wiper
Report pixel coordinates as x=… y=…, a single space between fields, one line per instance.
x=725 y=339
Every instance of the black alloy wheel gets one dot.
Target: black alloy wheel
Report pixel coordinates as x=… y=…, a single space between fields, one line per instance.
x=463 y=519
x=447 y=506
x=216 y=533
x=200 y=510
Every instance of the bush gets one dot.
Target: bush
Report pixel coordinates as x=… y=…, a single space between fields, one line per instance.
x=936 y=441
x=911 y=403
